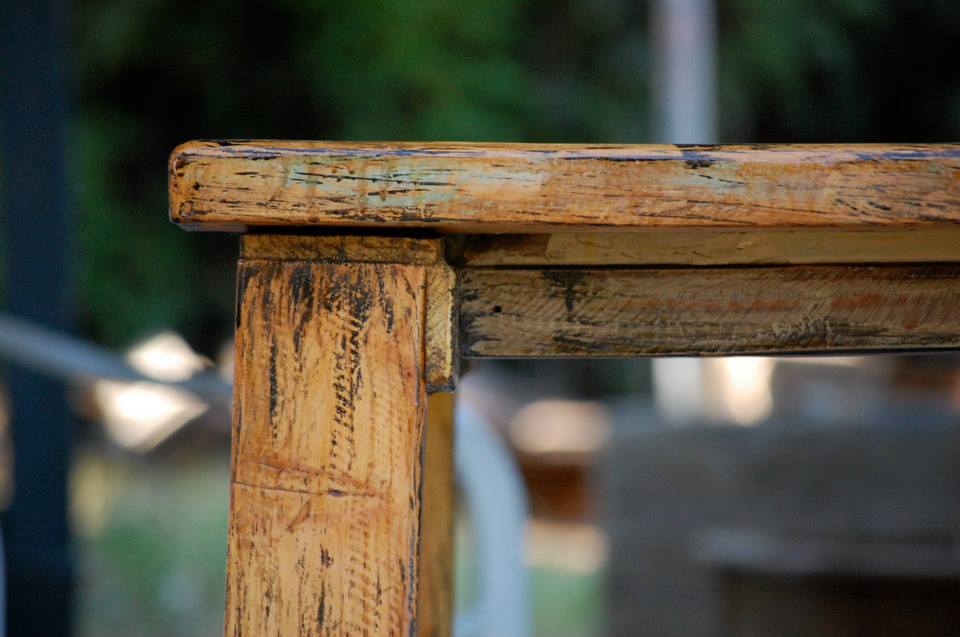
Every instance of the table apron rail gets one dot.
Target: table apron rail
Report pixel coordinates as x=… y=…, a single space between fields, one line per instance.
x=703 y=311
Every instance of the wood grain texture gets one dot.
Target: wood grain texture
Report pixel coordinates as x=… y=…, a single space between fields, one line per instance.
x=708 y=311
x=441 y=281
x=435 y=609
x=466 y=188
x=442 y=353
x=714 y=247
x=341 y=248
x=326 y=458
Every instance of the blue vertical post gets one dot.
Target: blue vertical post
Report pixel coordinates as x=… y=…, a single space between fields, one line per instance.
x=35 y=200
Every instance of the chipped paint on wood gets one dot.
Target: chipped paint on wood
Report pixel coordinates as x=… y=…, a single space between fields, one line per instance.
x=468 y=188
x=708 y=311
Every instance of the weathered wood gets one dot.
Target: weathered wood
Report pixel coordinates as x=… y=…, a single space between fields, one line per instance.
x=435 y=609
x=708 y=311
x=714 y=247
x=341 y=249
x=469 y=188
x=441 y=282
x=326 y=461
x=340 y=338
x=442 y=355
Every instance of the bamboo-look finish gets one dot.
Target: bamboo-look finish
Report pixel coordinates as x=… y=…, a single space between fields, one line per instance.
x=368 y=270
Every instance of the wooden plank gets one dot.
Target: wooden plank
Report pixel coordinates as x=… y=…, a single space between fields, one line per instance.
x=708 y=311
x=715 y=247
x=341 y=249
x=325 y=481
x=435 y=611
x=469 y=188
x=442 y=355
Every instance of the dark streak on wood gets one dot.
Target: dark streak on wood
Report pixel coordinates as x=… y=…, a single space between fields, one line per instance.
x=708 y=311
x=274 y=392
x=567 y=280
x=341 y=248
x=321 y=606
x=326 y=450
x=474 y=188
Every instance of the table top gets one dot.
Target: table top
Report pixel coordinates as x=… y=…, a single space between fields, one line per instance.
x=470 y=188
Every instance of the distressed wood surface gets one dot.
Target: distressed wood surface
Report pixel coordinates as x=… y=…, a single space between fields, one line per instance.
x=713 y=247
x=708 y=311
x=435 y=609
x=326 y=457
x=341 y=248
x=441 y=351
x=469 y=188
x=441 y=356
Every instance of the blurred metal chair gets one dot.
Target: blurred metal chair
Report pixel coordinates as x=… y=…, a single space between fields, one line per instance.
x=496 y=503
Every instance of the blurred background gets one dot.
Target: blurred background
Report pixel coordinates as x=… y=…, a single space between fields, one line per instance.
x=732 y=496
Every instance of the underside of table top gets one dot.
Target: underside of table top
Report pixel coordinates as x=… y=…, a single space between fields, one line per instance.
x=466 y=188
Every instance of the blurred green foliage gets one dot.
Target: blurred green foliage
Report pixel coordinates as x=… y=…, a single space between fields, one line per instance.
x=150 y=540
x=839 y=70
x=153 y=73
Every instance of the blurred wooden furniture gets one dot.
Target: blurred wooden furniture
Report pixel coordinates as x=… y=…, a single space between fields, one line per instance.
x=791 y=528
x=367 y=270
x=835 y=587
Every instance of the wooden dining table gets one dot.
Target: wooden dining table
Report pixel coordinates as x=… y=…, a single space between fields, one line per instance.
x=367 y=271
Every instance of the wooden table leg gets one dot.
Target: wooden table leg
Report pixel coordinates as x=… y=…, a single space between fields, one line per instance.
x=330 y=401
x=436 y=539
